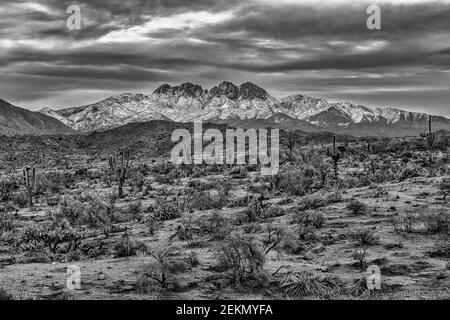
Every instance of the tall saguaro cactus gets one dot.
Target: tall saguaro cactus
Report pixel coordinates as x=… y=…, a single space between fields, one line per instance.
x=119 y=165
x=29 y=180
x=431 y=138
x=336 y=156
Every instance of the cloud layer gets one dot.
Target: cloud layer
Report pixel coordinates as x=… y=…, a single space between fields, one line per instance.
x=285 y=46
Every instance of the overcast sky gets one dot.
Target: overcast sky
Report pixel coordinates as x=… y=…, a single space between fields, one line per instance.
x=319 y=48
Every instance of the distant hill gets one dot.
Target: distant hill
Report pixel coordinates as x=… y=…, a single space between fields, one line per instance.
x=19 y=121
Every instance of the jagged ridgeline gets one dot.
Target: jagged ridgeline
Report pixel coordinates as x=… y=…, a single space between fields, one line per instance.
x=244 y=106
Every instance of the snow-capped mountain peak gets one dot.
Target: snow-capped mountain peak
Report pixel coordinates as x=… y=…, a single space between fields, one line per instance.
x=226 y=101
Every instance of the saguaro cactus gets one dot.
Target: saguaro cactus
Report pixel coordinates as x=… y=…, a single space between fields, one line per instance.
x=336 y=156
x=120 y=168
x=29 y=180
x=431 y=138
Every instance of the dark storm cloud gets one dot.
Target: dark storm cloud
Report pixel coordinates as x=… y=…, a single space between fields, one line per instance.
x=345 y=21
x=287 y=46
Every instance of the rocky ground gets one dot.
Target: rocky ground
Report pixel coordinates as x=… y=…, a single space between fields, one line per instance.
x=208 y=232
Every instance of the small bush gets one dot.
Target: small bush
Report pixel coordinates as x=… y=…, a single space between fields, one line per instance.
x=34 y=238
x=20 y=199
x=441 y=249
x=5 y=295
x=308 y=284
x=360 y=256
x=273 y=238
x=436 y=222
x=357 y=207
x=153 y=226
x=216 y=226
x=207 y=200
x=6 y=222
x=410 y=172
x=444 y=188
x=380 y=192
x=407 y=223
x=315 y=202
x=364 y=237
x=86 y=210
x=134 y=210
x=161 y=271
x=166 y=210
x=307 y=233
x=127 y=247
x=309 y=218
x=8 y=187
x=243 y=258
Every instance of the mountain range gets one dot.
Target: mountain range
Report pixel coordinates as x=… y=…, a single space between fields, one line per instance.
x=19 y=121
x=246 y=106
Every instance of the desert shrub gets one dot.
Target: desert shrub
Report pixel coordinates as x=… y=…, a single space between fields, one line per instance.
x=20 y=199
x=166 y=210
x=358 y=180
x=359 y=255
x=108 y=177
x=444 y=188
x=5 y=295
x=137 y=179
x=315 y=202
x=407 y=223
x=364 y=237
x=273 y=238
x=207 y=200
x=410 y=172
x=436 y=222
x=187 y=231
x=38 y=254
x=54 y=182
x=163 y=168
x=243 y=258
x=252 y=227
x=307 y=233
x=257 y=210
x=6 y=222
x=291 y=183
x=70 y=210
x=193 y=260
x=8 y=187
x=380 y=192
x=293 y=246
x=153 y=226
x=309 y=284
x=441 y=249
x=357 y=207
x=160 y=272
x=89 y=210
x=143 y=168
x=217 y=226
x=309 y=218
x=36 y=237
x=81 y=174
x=127 y=247
x=134 y=209
x=200 y=185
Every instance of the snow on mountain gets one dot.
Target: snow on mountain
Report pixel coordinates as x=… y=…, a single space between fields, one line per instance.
x=188 y=102
x=111 y=112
